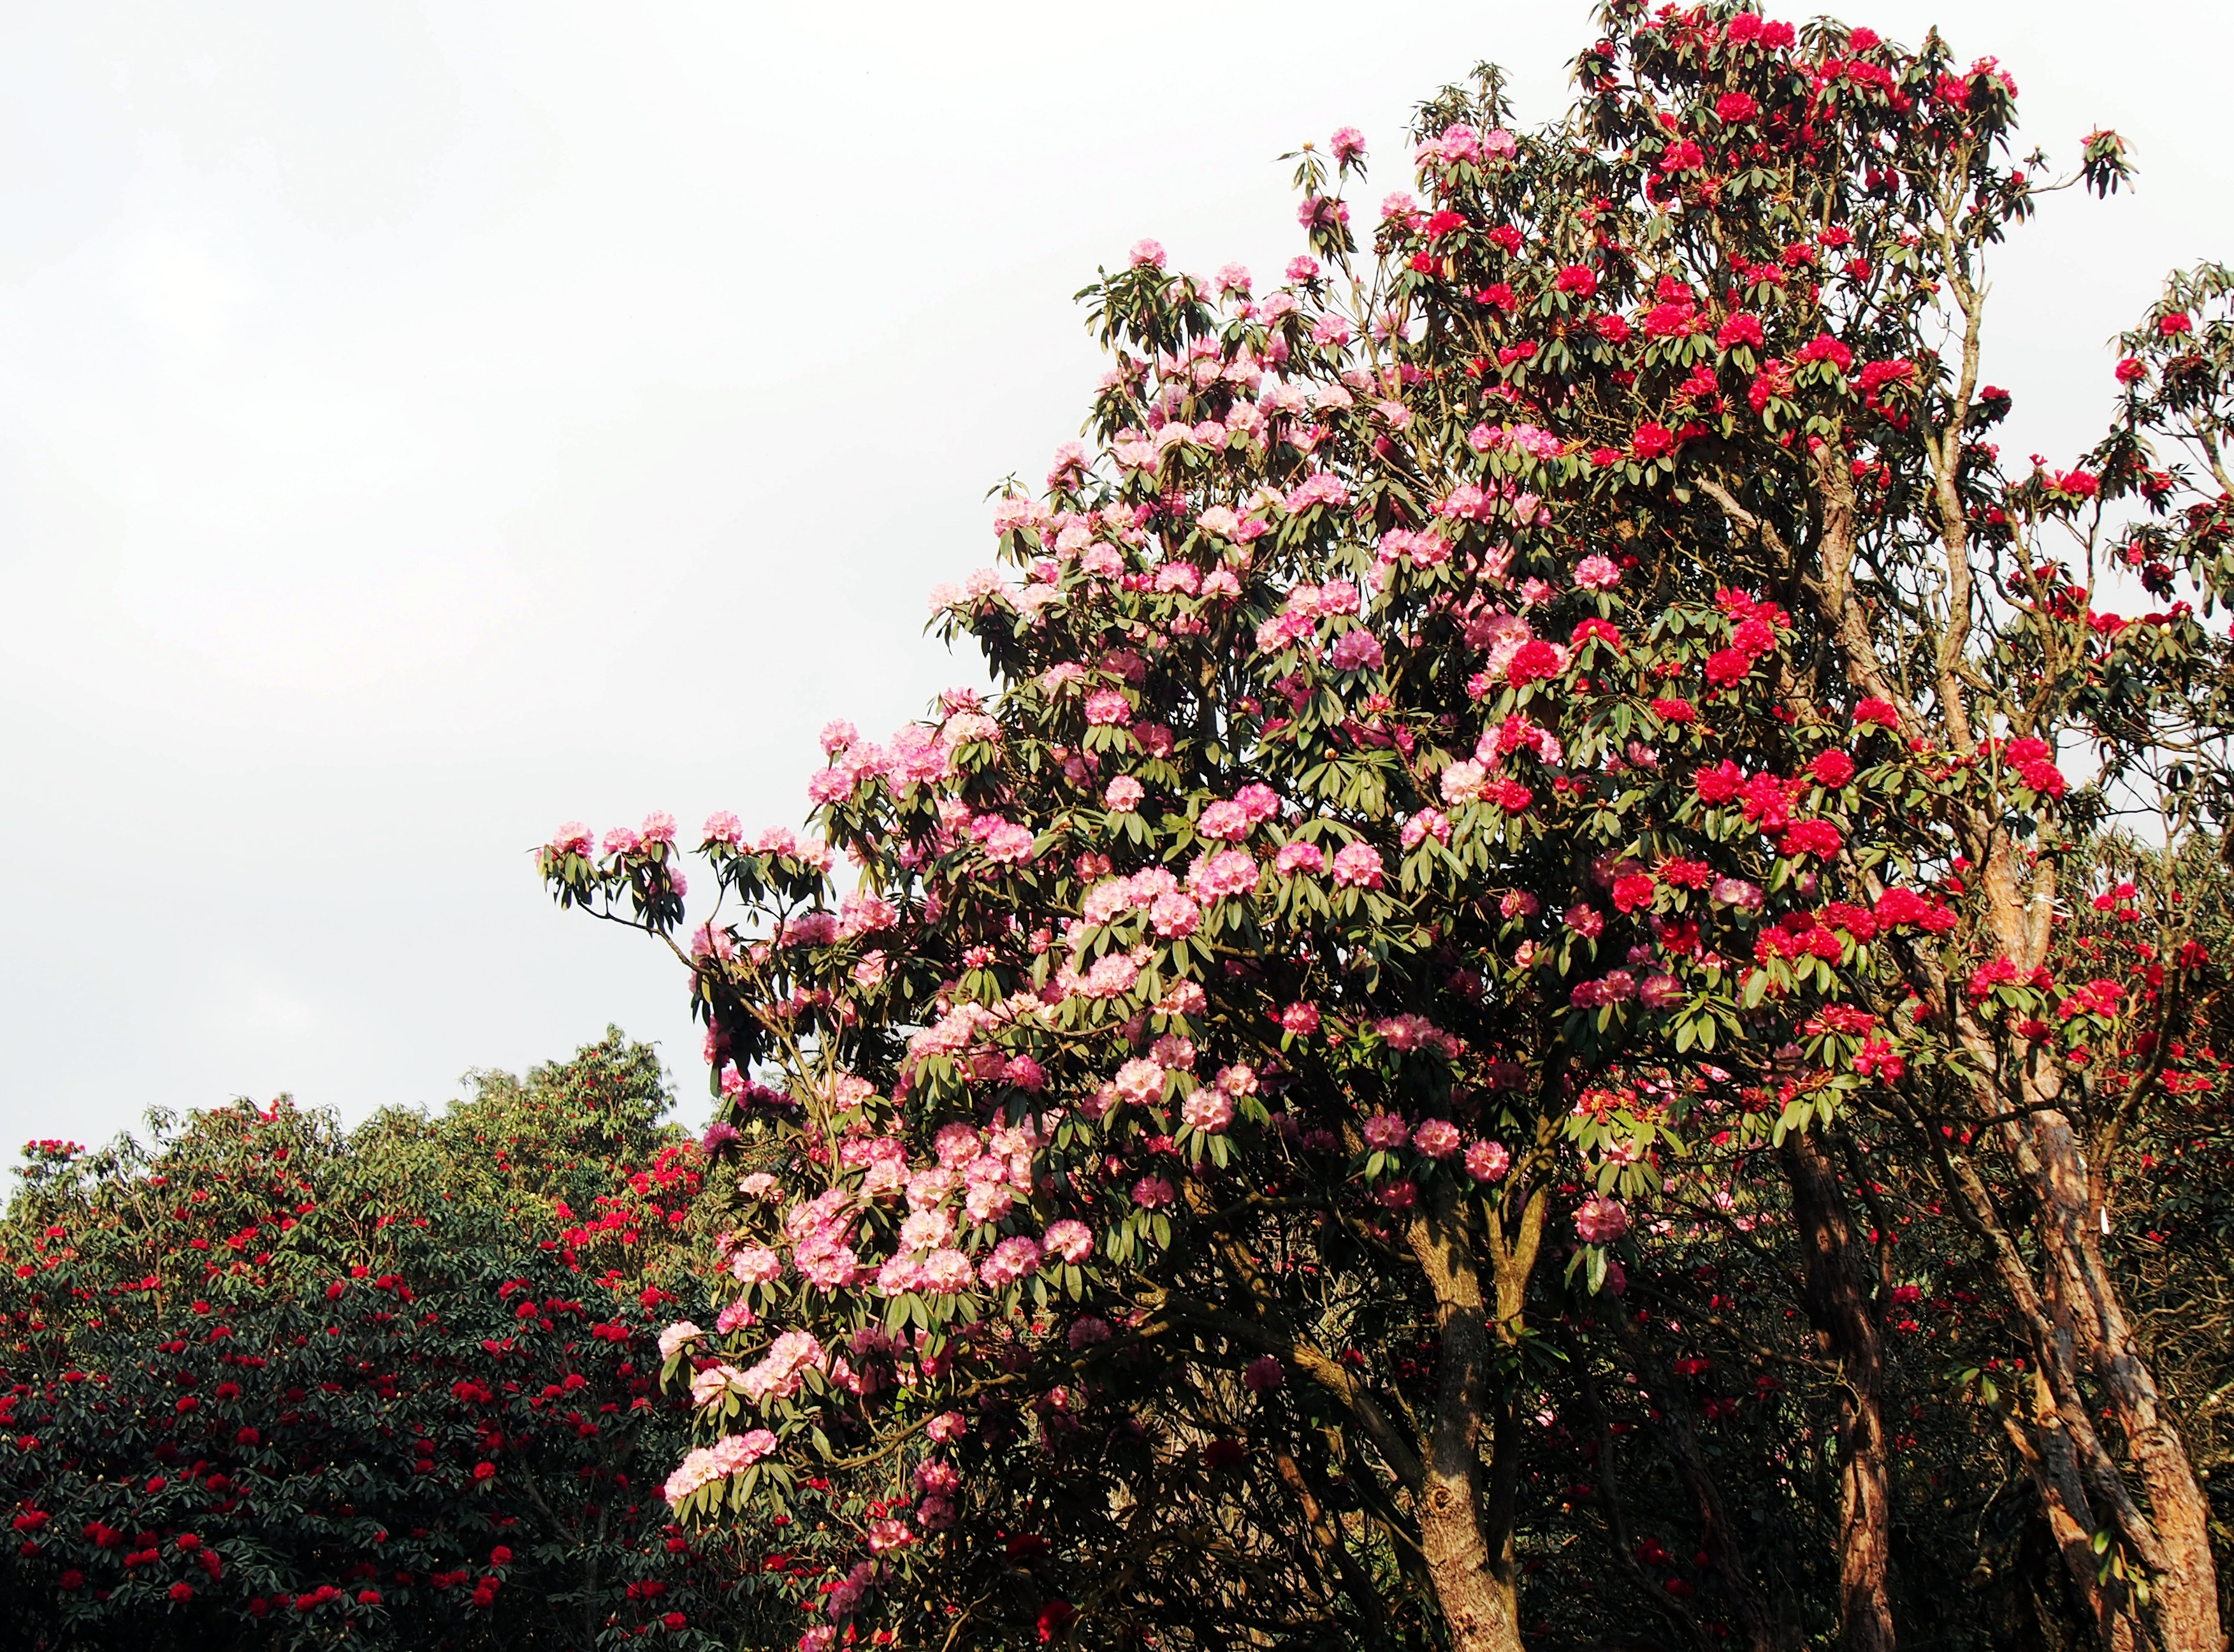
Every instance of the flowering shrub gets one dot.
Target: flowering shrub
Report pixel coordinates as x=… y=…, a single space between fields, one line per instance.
x=1485 y=715
x=271 y=1385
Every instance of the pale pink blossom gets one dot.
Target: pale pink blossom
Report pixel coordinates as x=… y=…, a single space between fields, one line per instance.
x=1427 y=823
x=755 y=1265
x=945 y=1273
x=1386 y=1130
x=778 y=1371
x=1596 y=573
x=1140 y=1082
x=926 y=1229
x=1208 y=1111
x=1486 y=1162
x=1223 y=823
x=1014 y=1258
x=1357 y=650
x=1009 y=843
x=1601 y=1221
x=1123 y=794
x=737 y=1315
x=1181 y=998
x=936 y=1479
x=1736 y=891
x=707 y=1387
x=1071 y=1240
x=1358 y=864
x=1174 y=1052
x=1174 y=916
x=1463 y=781
x=1227 y=871
x=1259 y=802
x=731 y=1455
x=887 y=1534
x=1436 y=1138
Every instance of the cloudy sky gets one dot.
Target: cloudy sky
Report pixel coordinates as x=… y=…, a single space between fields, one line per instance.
x=418 y=426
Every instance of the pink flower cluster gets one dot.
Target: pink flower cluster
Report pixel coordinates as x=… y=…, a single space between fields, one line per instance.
x=1601 y=1220
x=732 y=1454
x=1224 y=872
x=1230 y=822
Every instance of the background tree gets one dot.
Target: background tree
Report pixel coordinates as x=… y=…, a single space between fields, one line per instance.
x=272 y=1384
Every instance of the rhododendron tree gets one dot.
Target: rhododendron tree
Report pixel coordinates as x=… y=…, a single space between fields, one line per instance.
x=268 y=1384
x=1478 y=717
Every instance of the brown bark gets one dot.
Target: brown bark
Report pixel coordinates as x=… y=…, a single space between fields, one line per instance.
x=2045 y=1448
x=1838 y=1303
x=2075 y=1320
x=1472 y=1579
x=2095 y=1335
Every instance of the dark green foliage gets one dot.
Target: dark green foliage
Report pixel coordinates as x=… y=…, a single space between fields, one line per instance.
x=274 y=1384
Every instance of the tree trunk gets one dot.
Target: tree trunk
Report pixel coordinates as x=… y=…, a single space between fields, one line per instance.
x=1839 y=1303
x=2095 y=1335
x=1473 y=1585
x=2079 y=1322
x=2077 y=1328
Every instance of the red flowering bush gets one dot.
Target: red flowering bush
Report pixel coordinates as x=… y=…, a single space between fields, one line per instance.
x=1485 y=719
x=268 y=1384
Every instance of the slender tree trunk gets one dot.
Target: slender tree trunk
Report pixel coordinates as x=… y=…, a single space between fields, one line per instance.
x=1326 y=1534
x=1838 y=1302
x=1762 y=1626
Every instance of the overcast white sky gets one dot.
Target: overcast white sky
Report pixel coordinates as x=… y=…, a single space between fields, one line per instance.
x=418 y=426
